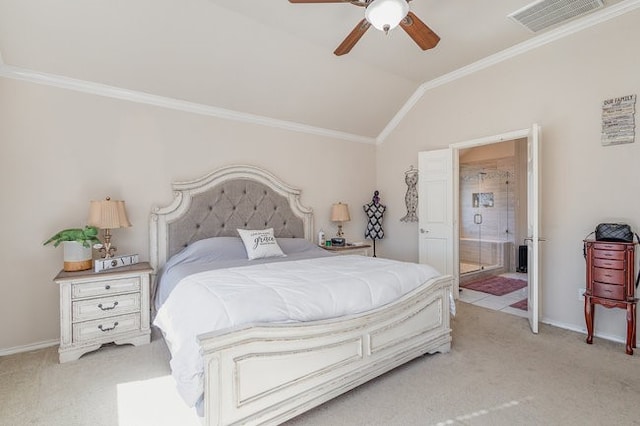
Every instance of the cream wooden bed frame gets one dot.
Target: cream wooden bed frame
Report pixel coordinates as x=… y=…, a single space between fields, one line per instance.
x=269 y=373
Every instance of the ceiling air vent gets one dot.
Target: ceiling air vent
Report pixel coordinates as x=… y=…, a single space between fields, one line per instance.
x=545 y=13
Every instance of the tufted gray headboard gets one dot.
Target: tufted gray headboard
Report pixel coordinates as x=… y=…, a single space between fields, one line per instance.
x=219 y=203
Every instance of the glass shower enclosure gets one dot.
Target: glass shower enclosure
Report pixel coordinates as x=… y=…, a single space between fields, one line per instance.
x=486 y=216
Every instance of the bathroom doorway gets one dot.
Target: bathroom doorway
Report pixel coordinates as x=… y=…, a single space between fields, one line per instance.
x=439 y=212
x=492 y=211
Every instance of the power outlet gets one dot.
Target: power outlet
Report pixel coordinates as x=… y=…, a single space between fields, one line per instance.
x=581 y=293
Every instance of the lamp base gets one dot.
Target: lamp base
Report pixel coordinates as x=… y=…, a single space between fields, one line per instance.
x=107 y=250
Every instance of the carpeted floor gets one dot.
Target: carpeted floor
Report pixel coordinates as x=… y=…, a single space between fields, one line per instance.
x=497 y=373
x=496 y=285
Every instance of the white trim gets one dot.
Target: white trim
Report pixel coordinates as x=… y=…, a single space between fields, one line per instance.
x=164 y=102
x=511 y=52
x=583 y=330
x=93 y=88
x=508 y=136
x=29 y=347
x=402 y=112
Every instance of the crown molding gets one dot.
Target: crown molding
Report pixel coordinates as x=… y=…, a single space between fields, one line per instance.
x=226 y=114
x=533 y=43
x=93 y=88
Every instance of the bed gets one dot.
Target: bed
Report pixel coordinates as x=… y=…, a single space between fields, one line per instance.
x=285 y=358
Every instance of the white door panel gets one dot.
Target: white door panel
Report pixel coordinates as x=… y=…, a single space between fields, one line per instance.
x=533 y=225
x=435 y=210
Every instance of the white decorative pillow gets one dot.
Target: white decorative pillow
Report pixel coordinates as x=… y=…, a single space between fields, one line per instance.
x=260 y=243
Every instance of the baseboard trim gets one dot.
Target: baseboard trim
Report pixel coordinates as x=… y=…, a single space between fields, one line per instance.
x=583 y=330
x=30 y=347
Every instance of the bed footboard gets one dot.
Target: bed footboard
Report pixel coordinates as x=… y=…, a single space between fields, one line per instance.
x=267 y=374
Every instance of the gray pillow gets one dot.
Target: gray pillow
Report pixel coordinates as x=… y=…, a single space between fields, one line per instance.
x=297 y=245
x=210 y=250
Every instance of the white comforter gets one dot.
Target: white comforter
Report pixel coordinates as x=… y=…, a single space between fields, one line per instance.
x=296 y=291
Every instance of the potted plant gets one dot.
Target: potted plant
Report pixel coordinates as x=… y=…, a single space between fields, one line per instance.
x=77 y=245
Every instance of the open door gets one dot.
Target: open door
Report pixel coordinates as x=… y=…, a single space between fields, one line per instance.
x=533 y=225
x=435 y=210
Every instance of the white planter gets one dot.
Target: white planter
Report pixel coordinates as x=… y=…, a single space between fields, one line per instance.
x=76 y=256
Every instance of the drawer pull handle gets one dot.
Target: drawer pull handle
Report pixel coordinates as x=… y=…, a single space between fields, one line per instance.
x=107 y=287
x=103 y=329
x=607 y=275
x=108 y=308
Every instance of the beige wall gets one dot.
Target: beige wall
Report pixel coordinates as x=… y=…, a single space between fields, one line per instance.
x=59 y=149
x=560 y=86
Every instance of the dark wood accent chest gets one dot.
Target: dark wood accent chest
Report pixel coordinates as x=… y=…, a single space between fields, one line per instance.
x=610 y=283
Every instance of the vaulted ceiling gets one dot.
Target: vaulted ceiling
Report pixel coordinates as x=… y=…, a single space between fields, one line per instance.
x=268 y=58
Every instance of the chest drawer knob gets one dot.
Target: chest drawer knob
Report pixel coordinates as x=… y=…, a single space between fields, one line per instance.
x=108 y=308
x=107 y=287
x=104 y=329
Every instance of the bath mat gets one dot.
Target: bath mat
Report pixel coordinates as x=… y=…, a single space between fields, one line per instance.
x=520 y=305
x=498 y=286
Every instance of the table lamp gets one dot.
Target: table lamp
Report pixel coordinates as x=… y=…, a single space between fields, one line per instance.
x=108 y=214
x=340 y=213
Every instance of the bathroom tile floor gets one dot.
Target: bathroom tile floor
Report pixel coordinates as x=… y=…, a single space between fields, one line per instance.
x=498 y=303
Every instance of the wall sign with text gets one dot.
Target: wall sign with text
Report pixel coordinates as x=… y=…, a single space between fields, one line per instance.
x=618 y=120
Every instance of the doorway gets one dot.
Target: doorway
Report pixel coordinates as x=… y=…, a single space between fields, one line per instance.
x=438 y=211
x=492 y=209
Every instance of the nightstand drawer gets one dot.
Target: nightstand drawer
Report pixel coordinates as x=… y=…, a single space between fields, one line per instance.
x=608 y=263
x=106 y=328
x=609 y=276
x=608 y=291
x=105 y=287
x=102 y=307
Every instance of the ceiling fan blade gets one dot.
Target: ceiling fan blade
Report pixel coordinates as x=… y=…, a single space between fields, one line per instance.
x=353 y=37
x=419 y=32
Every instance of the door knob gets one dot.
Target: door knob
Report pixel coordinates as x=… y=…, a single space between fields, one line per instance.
x=423 y=231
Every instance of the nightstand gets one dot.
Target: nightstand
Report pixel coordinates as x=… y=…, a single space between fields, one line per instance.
x=362 y=250
x=103 y=307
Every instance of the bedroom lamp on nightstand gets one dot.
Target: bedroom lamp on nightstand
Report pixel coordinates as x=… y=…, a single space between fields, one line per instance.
x=340 y=213
x=108 y=214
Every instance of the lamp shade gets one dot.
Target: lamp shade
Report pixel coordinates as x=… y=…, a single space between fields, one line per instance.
x=108 y=214
x=340 y=213
x=386 y=14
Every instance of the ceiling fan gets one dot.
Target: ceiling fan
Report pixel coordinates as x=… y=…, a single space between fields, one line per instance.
x=384 y=15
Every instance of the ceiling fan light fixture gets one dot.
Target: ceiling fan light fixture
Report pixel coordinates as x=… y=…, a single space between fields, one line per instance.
x=385 y=15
